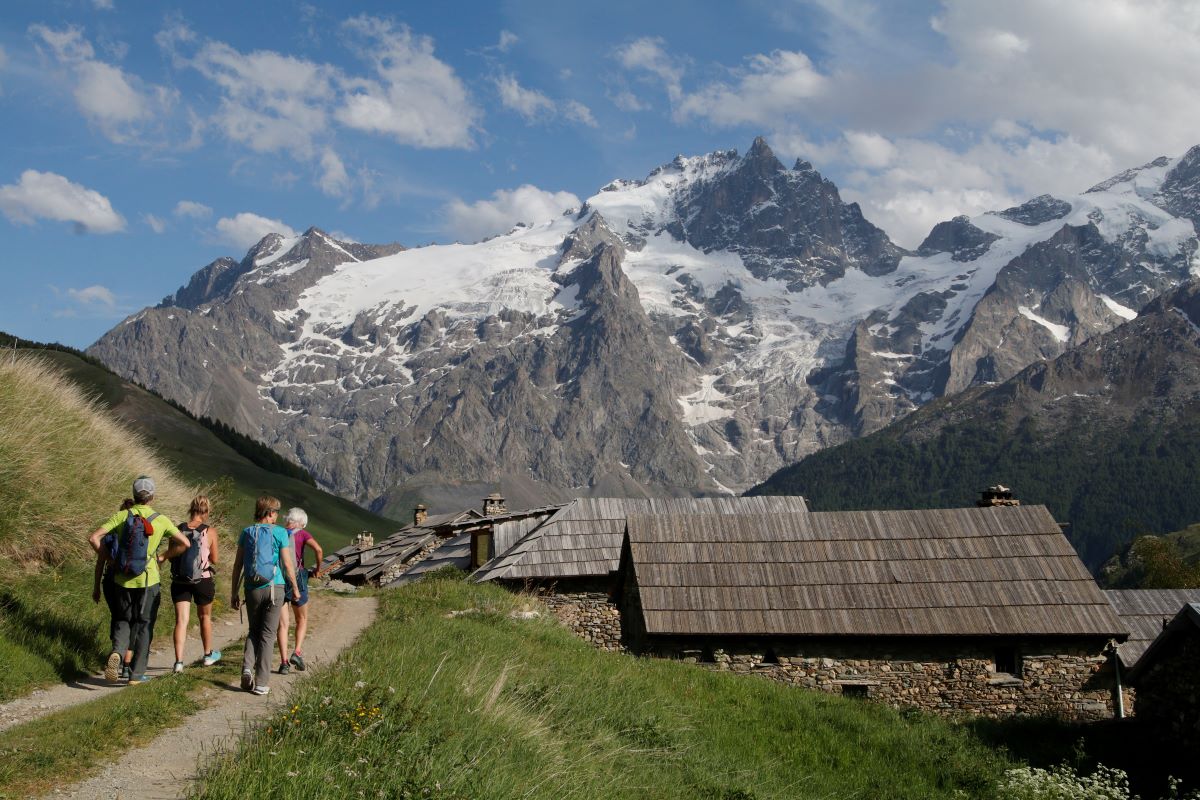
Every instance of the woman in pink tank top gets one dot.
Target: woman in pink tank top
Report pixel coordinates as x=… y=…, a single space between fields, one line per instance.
x=296 y=522
x=192 y=581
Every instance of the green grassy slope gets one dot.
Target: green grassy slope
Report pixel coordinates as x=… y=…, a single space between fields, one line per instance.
x=482 y=705
x=200 y=457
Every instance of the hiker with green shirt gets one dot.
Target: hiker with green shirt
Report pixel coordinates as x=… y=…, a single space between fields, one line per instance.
x=264 y=553
x=130 y=540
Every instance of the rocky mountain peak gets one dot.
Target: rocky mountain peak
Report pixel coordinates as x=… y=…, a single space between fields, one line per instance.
x=761 y=159
x=1180 y=189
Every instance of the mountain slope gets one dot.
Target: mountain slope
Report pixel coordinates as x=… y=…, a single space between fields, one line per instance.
x=1107 y=435
x=686 y=333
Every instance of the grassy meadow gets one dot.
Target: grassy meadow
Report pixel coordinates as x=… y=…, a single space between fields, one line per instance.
x=482 y=705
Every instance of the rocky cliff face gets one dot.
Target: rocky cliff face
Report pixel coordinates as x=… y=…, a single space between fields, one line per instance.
x=687 y=333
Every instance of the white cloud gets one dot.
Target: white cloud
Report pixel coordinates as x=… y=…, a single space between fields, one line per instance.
x=94 y=296
x=118 y=103
x=45 y=195
x=156 y=224
x=924 y=182
x=245 y=230
x=334 y=180
x=766 y=88
x=104 y=5
x=648 y=54
x=869 y=149
x=67 y=45
x=578 y=112
x=470 y=222
x=190 y=208
x=415 y=98
x=270 y=102
x=507 y=40
x=627 y=101
x=529 y=103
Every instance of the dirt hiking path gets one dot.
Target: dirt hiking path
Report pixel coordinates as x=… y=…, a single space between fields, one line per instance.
x=165 y=768
x=80 y=690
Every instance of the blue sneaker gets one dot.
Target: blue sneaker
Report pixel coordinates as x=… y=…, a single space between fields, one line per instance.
x=140 y=679
x=212 y=658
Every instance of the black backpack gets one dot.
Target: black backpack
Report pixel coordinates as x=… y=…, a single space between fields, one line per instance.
x=186 y=567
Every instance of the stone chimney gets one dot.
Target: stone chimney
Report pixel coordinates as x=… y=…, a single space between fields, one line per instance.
x=420 y=513
x=494 y=504
x=997 y=496
x=365 y=540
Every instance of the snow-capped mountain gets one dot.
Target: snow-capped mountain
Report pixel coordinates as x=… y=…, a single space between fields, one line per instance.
x=690 y=332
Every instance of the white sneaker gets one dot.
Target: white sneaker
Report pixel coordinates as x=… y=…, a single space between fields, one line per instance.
x=260 y=690
x=178 y=667
x=247 y=680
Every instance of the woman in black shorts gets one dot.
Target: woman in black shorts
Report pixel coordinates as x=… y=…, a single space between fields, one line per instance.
x=196 y=584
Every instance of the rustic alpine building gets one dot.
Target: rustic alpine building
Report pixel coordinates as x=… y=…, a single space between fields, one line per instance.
x=977 y=610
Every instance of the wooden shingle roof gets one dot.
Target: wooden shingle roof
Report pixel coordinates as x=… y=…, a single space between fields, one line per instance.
x=1145 y=612
x=971 y=571
x=1185 y=622
x=583 y=538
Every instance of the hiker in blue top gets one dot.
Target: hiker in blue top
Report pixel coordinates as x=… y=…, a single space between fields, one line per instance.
x=263 y=549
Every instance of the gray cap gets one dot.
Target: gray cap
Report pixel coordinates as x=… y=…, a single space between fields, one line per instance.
x=144 y=483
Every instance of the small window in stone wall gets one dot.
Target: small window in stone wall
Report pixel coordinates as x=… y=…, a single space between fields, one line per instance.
x=770 y=657
x=855 y=690
x=1008 y=661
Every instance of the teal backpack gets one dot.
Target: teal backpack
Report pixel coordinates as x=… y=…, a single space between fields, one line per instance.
x=261 y=555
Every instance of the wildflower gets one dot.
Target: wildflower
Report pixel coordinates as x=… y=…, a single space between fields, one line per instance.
x=359 y=684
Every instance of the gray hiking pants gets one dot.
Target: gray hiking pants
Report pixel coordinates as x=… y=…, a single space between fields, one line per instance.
x=133 y=624
x=263 y=607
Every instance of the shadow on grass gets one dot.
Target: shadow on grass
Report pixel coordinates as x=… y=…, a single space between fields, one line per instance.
x=1125 y=744
x=67 y=643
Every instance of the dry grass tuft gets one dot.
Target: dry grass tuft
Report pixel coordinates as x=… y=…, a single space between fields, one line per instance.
x=65 y=466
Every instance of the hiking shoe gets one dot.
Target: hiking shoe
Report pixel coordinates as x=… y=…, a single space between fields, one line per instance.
x=126 y=672
x=212 y=658
x=178 y=667
x=284 y=668
x=247 y=680
x=113 y=668
x=298 y=662
x=138 y=679
x=261 y=690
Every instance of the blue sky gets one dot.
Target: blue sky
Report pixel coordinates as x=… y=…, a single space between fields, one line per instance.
x=141 y=143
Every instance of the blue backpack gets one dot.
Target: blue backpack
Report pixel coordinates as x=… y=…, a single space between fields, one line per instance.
x=133 y=543
x=261 y=556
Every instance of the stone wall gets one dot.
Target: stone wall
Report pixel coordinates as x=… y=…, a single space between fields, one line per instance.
x=1168 y=691
x=1069 y=679
x=590 y=615
x=397 y=569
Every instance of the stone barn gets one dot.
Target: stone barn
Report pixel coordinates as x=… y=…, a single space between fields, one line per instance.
x=975 y=610
x=571 y=558
x=1167 y=679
